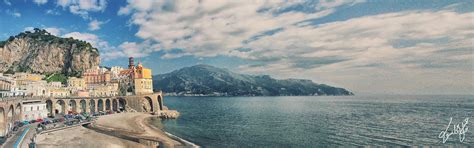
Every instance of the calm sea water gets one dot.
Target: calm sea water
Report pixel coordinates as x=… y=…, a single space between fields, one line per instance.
x=396 y=120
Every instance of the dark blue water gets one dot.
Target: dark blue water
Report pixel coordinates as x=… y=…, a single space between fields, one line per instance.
x=319 y=121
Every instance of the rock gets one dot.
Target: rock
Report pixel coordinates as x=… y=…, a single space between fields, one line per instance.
x=40 y=52
x=169 y=114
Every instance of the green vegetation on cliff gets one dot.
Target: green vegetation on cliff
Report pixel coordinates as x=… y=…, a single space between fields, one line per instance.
x=42 y=35
x=56 y=78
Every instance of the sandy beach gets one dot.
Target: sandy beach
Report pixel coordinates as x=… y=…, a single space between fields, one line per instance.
x=116 y=130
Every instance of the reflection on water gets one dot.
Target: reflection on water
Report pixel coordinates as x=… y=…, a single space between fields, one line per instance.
x=396 y=120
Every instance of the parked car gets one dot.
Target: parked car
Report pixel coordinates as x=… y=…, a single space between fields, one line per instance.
x=39 y=120
x=69 y=123
x=47 y=120
x=85 y=114
x=32 y=121
x=25 y=122
x=15 y=128
x=19 y=124
x=68 y=116
x=80 y=117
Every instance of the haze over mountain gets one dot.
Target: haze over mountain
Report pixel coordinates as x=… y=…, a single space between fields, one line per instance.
x=206 y=80
x=39 y=51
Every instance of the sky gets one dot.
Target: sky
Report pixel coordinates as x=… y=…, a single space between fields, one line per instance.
x=381 y=47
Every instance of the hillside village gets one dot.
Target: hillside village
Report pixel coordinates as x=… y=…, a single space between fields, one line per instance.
x=94 y=82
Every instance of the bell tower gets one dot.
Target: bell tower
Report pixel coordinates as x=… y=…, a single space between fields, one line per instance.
x=131 y=65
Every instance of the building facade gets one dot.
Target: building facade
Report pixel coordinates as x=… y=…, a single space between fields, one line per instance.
x=115 y=71
x=76 y=83
x=58 y=92
x=136 y=80
x=96 y=76
x=104 y=90
x=5 y=86
x=37 y=88
x=33 y=110
x=25 y=79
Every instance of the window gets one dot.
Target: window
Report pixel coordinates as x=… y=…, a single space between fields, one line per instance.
x=37 y=108
x=32 y=108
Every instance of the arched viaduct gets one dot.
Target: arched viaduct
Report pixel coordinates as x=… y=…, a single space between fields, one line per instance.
x=11 y=109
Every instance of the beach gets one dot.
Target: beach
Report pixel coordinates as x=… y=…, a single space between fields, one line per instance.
x=115 y=130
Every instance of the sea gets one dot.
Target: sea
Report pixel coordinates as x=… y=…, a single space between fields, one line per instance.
x=318 y=121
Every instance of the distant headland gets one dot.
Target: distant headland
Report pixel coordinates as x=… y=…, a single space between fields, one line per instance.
x=206 y=80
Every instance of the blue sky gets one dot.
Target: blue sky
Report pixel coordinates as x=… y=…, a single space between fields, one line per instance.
x=400 y=47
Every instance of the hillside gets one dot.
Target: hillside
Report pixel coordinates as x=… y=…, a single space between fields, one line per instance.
x=38 y=51
x=211 y=81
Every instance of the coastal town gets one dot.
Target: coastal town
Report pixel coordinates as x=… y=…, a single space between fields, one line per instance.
x=44 y=103
x=95 y=82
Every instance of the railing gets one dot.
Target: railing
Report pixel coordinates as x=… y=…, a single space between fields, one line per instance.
x=16 y=98
x=21 y=98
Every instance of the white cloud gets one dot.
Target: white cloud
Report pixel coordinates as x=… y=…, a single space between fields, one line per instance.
x=123 y=11
x=54 y=31
x=13 y=12
x=88 y=37
x=40 y=2
x=83 y=7
x=126 y=49
x=95 y=25
x=373 y=62
x=7 y=2
x=52 y=12
x=132 y=49
x=16 y=14
x=210 y=28
x=28 y=29
x=64 y=3
x=106 y=50
x=380 y=53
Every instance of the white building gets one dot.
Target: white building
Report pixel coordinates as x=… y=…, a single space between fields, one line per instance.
x=5 y=86
x=115 y=71
x=16 y=91
x=37 y=88
x=33 y=110
x=55 y=84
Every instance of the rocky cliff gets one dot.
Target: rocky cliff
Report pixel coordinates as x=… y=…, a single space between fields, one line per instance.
x=205 y=80
x=40 y=52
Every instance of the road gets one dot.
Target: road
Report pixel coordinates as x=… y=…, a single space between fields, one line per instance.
x=28 y=136
x=16 y=135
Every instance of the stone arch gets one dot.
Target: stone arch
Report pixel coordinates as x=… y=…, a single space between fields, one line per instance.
x=49 y=106
x=107 y=105
x=147 y=104
x=10 y=119
x=83 y=105
x=100 y=105
x=72 y=105
x=160 y=102
x=92 y=105
x=60 y=107
x=122 y=103
x=114 y=105
x=3 y=120
x=18 y=112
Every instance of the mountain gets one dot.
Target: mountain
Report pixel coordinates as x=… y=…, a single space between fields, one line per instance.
x=38 y=51
x=205 y=80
